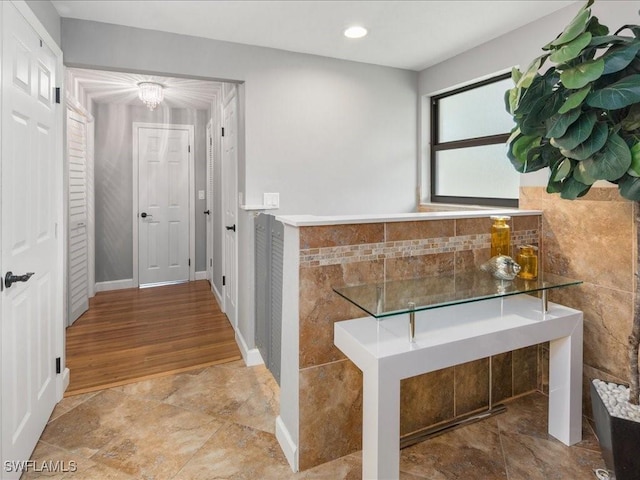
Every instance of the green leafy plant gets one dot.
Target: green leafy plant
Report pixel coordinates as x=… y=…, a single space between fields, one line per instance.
x=580 y=117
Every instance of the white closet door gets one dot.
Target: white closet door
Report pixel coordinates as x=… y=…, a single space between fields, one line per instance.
x=78 y=255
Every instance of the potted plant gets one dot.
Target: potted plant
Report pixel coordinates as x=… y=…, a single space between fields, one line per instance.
x=579 y=115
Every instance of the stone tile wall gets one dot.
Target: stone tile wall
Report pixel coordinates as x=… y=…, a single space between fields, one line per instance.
x=592 y=239
x=330 y=385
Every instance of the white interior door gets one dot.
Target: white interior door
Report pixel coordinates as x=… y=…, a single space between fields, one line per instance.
x=163 y=203
x=78 y=249
x=31 y=194
x=209 y=211
x=230 y=205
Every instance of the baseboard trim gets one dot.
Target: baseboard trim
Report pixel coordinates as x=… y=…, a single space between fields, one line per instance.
x=287 y=444
x=114 y=285
x=62 y=383
x=201 y=275
x=217 y=294
x=251 y=356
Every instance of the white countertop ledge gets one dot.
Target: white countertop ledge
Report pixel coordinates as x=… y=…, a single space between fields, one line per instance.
x=314 y=220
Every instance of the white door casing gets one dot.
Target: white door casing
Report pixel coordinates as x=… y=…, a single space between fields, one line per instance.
x=78 y=247
x=209 y=209
x=32 y=233
x=230 y=205
x=164 y=213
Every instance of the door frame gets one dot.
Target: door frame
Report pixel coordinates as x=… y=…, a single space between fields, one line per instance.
x=209 y=202
x=136 y=191
x=228 y=98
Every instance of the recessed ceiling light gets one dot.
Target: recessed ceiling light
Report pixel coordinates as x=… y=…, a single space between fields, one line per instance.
x=355 y=32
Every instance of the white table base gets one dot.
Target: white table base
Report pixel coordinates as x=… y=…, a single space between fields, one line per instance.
x=450 y=336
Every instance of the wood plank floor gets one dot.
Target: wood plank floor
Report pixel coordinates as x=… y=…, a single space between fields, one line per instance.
x=129 y=335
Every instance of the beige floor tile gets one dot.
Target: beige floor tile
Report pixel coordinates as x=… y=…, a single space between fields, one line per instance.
x=533 y=458
x=471 y=452
x=236 y=452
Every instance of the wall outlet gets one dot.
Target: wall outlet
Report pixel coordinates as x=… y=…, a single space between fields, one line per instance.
x=200 y=194
x=271 y=200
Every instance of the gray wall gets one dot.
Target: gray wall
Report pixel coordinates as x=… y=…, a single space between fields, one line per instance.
x=114 y=188
x=517 y=48
x=48 y=16
x=330 y=136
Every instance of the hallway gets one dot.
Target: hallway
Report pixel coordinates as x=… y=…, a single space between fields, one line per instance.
x=135 y=334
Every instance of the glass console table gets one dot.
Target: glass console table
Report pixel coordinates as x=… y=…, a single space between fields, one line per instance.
x=462 y=318
x=395 y=297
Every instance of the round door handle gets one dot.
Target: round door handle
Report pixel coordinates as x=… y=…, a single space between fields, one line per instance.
x=145 y=215
x=232 y=227
x=207 y=212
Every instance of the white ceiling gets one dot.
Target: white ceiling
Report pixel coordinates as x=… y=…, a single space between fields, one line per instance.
x=403 y=34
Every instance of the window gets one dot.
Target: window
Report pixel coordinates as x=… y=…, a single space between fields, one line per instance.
x=469 y=130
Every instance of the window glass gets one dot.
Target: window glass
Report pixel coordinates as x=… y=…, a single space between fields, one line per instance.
x=481 y=172
x=478 y=113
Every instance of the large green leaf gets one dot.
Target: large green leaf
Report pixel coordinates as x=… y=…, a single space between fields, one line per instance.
x=571 y=50
x=632 y=120
x=515 y=133
x=541 y=87
x=577 y=133
x=571 y=31
x=531 y=72
x=598 y=41
x=511 y=99
x=591 y=145
x=634 y=169
x=535 y=161
x=519 y=149
x=572 y=189
x=516 y=75
x=612 y=162
x=561 y=171
x=596 y=28
x=618 y=58
x=558 y=124
x=575 y=99
x=630 y=187
x=580 y=75
x=541 y=110
x=554 y=187
x=580 y=174
x=618 y=95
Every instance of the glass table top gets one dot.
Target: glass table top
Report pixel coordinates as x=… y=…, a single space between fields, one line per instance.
x=395 y=297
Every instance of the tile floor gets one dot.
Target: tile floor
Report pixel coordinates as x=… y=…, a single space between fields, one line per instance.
x=218 y=423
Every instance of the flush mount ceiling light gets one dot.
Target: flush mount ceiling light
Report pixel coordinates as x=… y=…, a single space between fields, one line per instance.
x=355 y=32
x=151 y=94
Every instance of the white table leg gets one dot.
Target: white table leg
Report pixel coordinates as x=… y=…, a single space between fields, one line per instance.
x=381 y=427
x=565 y=387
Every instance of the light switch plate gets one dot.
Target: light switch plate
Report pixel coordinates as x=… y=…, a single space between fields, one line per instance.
x=200 y=194
x=271 y=200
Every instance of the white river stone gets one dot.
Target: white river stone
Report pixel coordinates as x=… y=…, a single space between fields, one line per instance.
x=616 y=398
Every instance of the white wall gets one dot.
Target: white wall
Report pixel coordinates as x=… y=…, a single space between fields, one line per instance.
x=517 y=48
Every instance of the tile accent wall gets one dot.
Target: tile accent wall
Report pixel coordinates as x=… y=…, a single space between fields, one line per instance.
x=330 y=391
x=592 y=239
x=314 y=257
